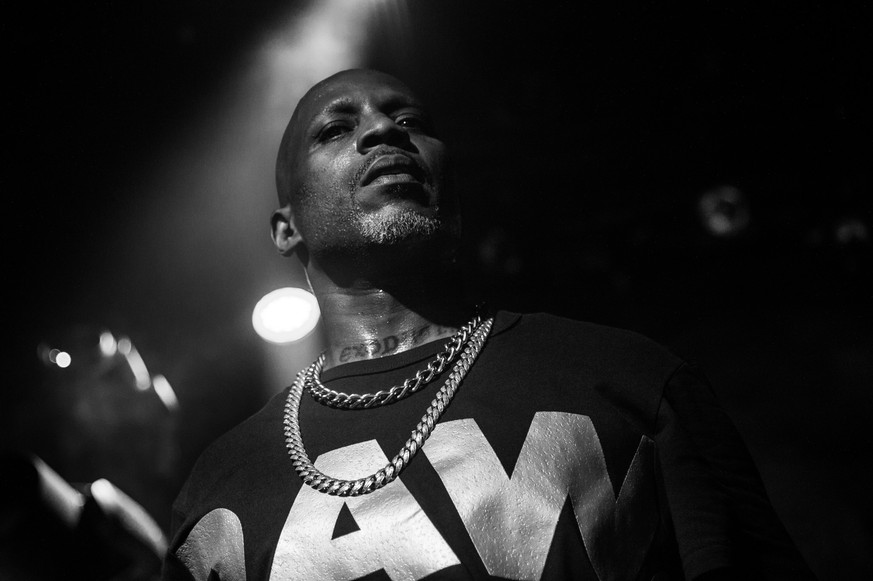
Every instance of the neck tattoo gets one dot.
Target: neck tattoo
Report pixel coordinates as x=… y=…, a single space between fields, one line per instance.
x=388 y=345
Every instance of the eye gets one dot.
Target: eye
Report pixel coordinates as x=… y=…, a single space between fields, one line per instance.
x=333 y=130
x=411 y=121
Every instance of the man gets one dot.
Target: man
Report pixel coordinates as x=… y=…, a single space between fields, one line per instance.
x=436 y=439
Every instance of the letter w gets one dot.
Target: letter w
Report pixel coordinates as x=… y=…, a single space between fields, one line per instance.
x=512 y=521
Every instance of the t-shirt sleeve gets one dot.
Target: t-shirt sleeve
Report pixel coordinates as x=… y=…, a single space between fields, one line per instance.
x=721 y=514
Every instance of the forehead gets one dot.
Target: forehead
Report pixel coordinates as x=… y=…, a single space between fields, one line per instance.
x=352 y=91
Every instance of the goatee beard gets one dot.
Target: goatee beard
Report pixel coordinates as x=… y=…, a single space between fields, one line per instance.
x=395 y=225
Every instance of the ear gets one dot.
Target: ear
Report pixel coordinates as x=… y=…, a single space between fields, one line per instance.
x=285 y=235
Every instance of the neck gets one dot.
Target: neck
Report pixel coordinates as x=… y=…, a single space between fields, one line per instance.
x=367 y=319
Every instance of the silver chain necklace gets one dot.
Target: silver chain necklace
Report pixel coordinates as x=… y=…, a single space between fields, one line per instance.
x=354 y=401
x=337 y=487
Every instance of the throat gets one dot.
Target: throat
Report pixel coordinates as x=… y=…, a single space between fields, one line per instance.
x=374 y=323
x=380 y=318
x=380 y=343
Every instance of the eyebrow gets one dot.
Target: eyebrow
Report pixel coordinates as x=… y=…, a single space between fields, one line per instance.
x=339 y=105
x=348 y=105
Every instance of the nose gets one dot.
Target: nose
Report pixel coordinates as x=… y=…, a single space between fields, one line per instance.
x=379 y=130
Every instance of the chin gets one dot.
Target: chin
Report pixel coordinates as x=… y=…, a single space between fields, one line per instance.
x=392 y=225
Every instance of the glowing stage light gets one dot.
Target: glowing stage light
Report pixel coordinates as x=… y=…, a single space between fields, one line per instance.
x=851 y=230
x=724 y=211
x=63 y=359
x=137 y=365
x=108 y=344
x=165 y=392
x=60 y=358
x=285 y=315
x=59 y=496
x=132 y=518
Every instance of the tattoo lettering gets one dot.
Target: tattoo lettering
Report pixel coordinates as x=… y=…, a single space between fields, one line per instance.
x=387 y=345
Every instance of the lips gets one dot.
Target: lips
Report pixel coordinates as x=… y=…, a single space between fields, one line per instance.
x=392 y=165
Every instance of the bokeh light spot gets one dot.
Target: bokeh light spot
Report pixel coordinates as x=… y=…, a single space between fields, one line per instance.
x=63 y=359
x=108 y=344
x=285 y=315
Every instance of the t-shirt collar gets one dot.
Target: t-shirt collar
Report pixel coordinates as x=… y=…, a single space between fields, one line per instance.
x=503 y=320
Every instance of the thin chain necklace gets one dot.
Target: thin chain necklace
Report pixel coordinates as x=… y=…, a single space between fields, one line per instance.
x=337 y=487
x=355 y=401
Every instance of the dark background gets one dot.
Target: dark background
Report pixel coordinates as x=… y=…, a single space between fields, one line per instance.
x=585 y=136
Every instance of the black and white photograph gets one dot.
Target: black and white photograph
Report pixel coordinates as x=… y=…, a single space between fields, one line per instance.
x=438 y=290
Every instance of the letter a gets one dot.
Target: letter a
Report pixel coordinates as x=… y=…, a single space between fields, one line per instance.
x=395 y=534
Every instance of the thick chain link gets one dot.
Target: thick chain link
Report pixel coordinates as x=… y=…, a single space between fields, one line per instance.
x=352 y=401
x=337 y=487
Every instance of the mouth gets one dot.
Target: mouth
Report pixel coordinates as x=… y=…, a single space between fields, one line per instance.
x=391 y=169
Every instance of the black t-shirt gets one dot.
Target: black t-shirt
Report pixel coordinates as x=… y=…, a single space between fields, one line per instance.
x=570 y=451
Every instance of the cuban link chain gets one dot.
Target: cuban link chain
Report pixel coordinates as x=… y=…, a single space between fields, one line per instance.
x=352 y=401
x=337 y=487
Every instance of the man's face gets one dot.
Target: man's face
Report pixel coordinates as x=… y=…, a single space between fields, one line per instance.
x=365 y=166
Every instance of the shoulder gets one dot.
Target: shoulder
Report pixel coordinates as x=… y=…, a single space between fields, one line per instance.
x=590 y=344
x=235 y=484
x=249 y=433
x=250 y=443
x=622 y=369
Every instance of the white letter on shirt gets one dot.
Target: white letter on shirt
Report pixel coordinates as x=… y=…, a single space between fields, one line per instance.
x=394 y=534
x=512 y=521
x=215 y=544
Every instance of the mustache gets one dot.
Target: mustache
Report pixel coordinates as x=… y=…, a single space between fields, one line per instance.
x=382 y=151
